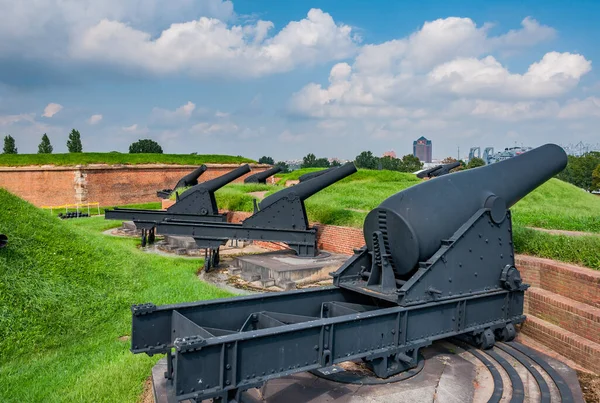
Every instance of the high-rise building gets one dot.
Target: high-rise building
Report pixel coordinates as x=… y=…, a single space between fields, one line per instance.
x=391 y=154
x=422 y=149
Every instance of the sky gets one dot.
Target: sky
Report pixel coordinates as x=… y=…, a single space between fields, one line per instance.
x=287 y=78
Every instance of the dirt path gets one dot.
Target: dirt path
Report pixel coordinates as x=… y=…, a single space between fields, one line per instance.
x=564 y=232
x=258 y=195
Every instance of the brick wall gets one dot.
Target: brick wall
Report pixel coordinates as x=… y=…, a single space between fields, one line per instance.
x=106 y=184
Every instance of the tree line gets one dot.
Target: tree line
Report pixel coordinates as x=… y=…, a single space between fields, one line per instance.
x=366 y=160
x=74 y=145
x=583 y=171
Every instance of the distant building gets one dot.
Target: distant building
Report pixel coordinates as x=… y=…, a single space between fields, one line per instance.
x=390 y=154
x=422 y=149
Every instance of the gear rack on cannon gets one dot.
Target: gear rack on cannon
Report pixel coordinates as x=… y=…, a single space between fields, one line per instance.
x=280 y=217
x=197 y=204
x=438 y=263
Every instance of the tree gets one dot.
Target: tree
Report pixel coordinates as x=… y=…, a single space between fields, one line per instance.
x=390 y=163
x=596 y=179
x=266 y=160
x=366 y=160
x=285 y=168
x=448 y=160
x=145 y=146
x=74 y=142
x=9 y=145
x=45 y=147
x=336 y=163
x=579 y=170
x=475 y=162
x=410 y=163
x=311 y=161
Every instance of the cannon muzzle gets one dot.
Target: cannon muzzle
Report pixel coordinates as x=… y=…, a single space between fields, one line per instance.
x=312 y=175
x=415 y=221
x=261 y=177
x=191 y=179
x=306 y=189
x=3 y=241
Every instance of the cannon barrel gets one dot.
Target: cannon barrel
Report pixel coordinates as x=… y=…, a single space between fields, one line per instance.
x=3 y=241
x=312 y=175
x=261 y=177
x=306 y=189
x=191 y=179
x=417 y=219
x=217 y=183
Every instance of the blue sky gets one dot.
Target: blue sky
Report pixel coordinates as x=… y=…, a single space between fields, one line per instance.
x=284 y=79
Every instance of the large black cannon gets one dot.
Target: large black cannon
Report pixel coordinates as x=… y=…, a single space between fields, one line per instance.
x=261 y=177
x=438 y=263
x=3 y=241
x=280 y=217
x=188 y=180
x=197 y=204
x=438 y=170
x=312 y=175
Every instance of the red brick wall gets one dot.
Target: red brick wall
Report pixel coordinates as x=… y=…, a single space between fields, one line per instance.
x=108 y=185
x=40 y=186
x=578 y=283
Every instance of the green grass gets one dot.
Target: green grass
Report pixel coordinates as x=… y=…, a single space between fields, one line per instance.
x=581 y=250
x=65 y=296
x=94 y=210
x=118 y=158
x=559 y=205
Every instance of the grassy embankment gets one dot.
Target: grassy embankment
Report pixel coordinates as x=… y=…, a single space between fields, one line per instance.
x=65 y=294
x=554 y=205
x=118 y=159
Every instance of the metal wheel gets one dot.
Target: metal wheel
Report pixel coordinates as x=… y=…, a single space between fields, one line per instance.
x=486 y=340
x=507 y=333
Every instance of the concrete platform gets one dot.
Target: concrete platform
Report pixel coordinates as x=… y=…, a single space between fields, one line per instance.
x=286 y=270
x=450 y=374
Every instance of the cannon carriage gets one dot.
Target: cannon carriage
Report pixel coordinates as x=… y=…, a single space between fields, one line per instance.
x=438 y=262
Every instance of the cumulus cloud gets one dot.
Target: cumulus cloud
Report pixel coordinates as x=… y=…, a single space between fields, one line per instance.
x=94 y=119
x=8 y=120
x=182 y=112
x=405 y=78
x=47 y=27
x=554 y=75
x=51 y=109
x=209 y=46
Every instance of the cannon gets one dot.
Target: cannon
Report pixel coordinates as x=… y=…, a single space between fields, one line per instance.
x=3 y=241
x=438 y=263
x=438 y=170
x=280 y=217
x=261 y=177
x=190 y=179
x=312 y=175
x=197 y=204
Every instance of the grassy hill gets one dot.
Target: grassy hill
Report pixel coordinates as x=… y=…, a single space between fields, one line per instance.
x=118 y=158
x=65 y=294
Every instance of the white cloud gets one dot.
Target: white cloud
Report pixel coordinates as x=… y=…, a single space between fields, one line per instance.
x=52 y=109
x=135 y=129
x=8 y=120
x=554 y=75
x=94 y=119
x=209 y=46
x=46 y=27
x=588 y=107
x=205 y=128
x=182 y=112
